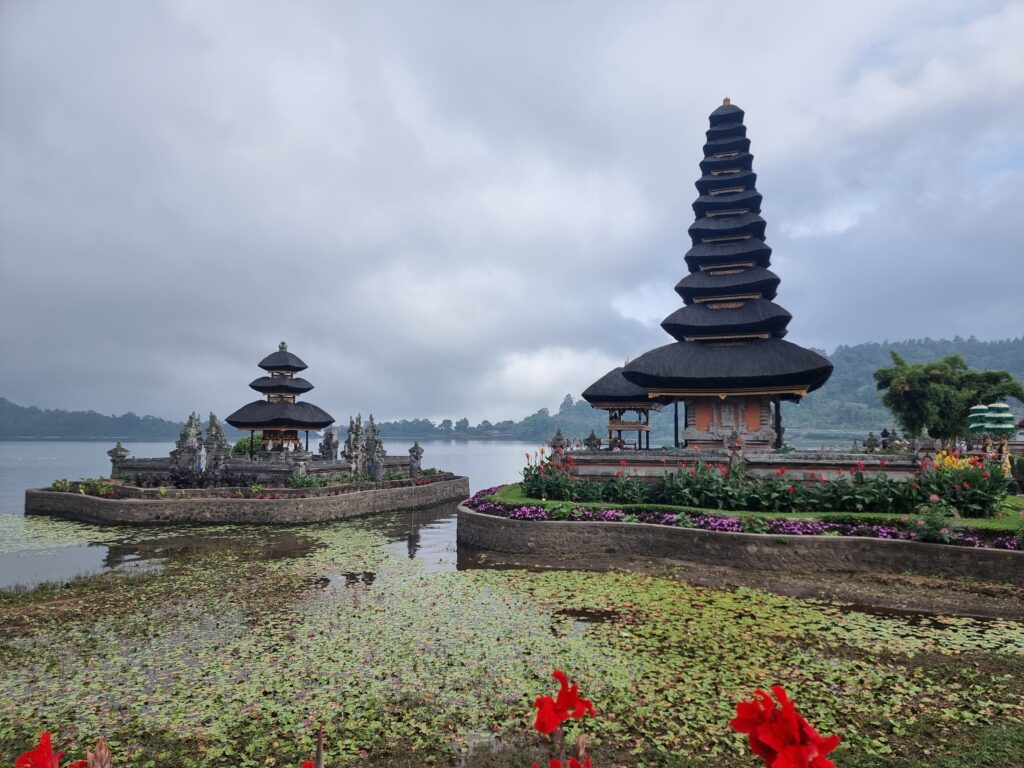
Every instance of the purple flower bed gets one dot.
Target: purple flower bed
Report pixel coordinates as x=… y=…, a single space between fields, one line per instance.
x=725 y=524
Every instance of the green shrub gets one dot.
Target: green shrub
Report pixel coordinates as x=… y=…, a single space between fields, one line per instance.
x=62 y=485
x=932 y=521
x=311 y=481
x=974 y=489
x=242 y=446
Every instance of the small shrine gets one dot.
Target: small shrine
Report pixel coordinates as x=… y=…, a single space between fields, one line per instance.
x=619 y=397
x=281 y=417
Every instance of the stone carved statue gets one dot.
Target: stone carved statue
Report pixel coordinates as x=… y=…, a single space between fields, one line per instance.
x=415 y=455
x=186 y=451
x=871 y=444
x=329 y=445
x=592 y=442
x=353 y=450
x=558 y=442
x=373 y=450
x=218 y=450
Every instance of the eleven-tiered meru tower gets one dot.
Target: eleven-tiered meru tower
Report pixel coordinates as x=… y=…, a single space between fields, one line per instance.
x=729 y=363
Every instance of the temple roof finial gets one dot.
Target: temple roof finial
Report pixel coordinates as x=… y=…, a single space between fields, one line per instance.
x=282 y=347
x=726 y=101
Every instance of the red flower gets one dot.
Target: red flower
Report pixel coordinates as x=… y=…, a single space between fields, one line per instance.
x=693 y=471
x=779 y=735
x=967 y=485
x=790 y=489
x=43 y=757
x=986 y=475
x=623 y=463
x=552 y=712
x=619 y=473
x=782 y=471
x=308 y=764
x=573 y=763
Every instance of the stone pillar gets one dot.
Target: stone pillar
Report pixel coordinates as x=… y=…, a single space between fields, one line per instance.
x=117 y=455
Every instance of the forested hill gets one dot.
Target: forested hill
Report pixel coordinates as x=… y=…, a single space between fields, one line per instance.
x=850 y=401
x=18 y=421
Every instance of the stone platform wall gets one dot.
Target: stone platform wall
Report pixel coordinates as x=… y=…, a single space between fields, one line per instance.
x=756 y=551
x=213 y=510
x=160 y=471
x=798 y=464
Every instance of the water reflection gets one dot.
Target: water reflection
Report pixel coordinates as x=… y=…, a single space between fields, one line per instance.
x=265 y=545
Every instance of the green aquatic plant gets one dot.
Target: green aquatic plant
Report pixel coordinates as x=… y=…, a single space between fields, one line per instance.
x=226 y=658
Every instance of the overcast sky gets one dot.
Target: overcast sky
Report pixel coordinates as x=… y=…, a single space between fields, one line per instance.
x=471 y=209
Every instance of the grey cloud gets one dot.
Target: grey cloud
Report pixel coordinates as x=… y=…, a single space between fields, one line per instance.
x=446 y=208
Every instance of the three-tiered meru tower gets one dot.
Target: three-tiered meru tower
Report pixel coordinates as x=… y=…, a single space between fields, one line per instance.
x=729 y=364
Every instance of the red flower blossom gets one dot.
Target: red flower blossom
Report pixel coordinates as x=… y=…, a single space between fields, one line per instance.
x=552 y=712
x=573 y=763
x=43 y=757
x=967 y=485
x=623 y=463
x=779 y=735
x=986 y=475
x=693 y=471
x=308 y=764
x=619 y=473
x=790 y=489
x=781 y=471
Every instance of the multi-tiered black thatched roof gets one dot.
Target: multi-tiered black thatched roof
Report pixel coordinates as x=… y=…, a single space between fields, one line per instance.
x=280 y=412
x=729 y=331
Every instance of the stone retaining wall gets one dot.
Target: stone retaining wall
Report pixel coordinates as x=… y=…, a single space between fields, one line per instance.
x=757 y=551
x=800 y=466
x=93 y=509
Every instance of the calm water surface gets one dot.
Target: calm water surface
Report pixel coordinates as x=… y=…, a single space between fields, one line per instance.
x=37 y=549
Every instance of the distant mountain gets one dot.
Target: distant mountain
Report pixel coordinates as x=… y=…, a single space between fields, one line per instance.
x=18 y=421
x=849 y=401
x=848 y=404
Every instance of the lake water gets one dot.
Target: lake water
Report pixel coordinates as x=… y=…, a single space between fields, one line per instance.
x=37 y=549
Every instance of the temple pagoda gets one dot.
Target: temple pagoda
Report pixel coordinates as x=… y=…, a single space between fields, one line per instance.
x=729 y=363
x=619 y=396
x=280 y=417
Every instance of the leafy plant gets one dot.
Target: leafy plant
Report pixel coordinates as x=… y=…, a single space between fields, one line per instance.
x=255 y=489
x=62 y=485
x=310 y=481
x=243 y=446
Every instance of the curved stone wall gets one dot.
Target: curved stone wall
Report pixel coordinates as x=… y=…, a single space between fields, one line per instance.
x=756 y=551
x=93 y=509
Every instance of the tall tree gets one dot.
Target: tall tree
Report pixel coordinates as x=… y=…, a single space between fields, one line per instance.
x=938 y=396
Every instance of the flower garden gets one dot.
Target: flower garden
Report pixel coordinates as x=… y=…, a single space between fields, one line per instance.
x=955 y=500
x=232 y=657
